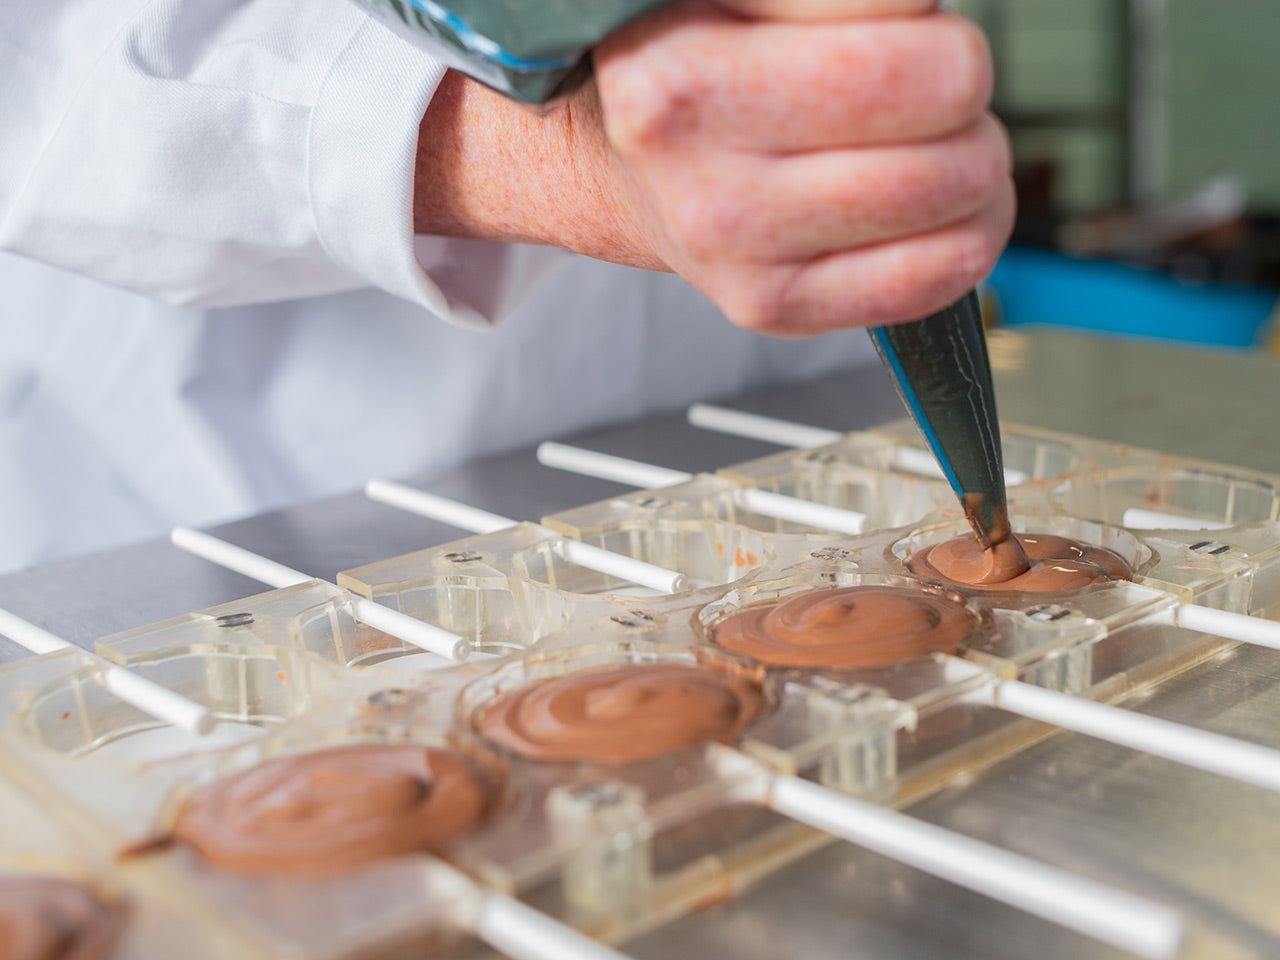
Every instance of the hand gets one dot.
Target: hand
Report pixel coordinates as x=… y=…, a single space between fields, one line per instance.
x=806 y=174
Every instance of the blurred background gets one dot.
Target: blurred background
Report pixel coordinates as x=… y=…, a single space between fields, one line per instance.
x=1147 y=155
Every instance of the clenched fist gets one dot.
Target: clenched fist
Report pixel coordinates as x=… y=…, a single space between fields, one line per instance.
x=807 y=165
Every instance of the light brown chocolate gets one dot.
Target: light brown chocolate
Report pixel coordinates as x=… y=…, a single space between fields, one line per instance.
x=622 y=713
x=332 y=811
x=48 y=918
x=1056 y=564
x=864 y=626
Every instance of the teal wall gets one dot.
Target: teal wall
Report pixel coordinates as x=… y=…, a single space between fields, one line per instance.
x=1222 y=108
x=1061 y=87
x=1210 y=71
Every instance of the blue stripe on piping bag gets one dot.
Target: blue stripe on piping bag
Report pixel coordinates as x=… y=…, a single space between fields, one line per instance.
x=917 y=411
x=487 y=48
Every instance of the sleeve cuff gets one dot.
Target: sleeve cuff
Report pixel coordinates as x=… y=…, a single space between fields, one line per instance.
x=362 y=145
x=362 y=148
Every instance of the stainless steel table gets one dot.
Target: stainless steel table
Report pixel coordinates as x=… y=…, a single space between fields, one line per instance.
x=1209 y=846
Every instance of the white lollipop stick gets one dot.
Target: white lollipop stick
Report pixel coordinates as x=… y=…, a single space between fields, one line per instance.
x=521 y=932
x=921 y=462
x=622 y=567
x=428 y=637
x=589 y=463
x=224 y=554
x=1224 y=623
x=1212 y=752
x=149 y=697
x=1093 y=909
x=645 y=475
x=769 y=429
x=482 y=521
x=787 y=434
x=435 y=507
x=795 y=510
x=1258 y=631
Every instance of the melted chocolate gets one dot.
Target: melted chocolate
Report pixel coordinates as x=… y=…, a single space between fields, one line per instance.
x=621 y=714
x=1056 y=563
x=47 y=918
x=866 y=626
x=331 y=811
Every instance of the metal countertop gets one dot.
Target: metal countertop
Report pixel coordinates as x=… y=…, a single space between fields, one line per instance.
x=1209 y=846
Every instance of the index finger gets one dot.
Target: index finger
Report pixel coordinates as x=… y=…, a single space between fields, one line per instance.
x=825 y=9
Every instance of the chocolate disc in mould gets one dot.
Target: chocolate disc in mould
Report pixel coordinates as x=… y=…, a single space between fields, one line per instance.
x=1056 y=564
x=49 y=918
x=332 y=811
x=621 y=714
x=849 y=627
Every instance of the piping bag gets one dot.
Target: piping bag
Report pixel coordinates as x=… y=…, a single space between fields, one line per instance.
x=940 y=368
x=533 y=52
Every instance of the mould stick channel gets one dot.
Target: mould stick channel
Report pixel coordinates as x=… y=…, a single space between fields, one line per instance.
x=149 y=697
x=426 y=636
x=1233 y=626
x=786 y=433
x=476 y=520
x=637 y=474
x=1094 y=909
x=1190 y=746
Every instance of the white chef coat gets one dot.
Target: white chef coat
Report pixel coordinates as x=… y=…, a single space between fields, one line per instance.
x=246 y=167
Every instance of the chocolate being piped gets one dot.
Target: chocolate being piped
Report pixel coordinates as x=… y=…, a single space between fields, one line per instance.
x=48 y=918
x=620 y=714
x=1055 y=564
x=1005 y=554
x=331 y=811
x=862 y=626
x=941 y=369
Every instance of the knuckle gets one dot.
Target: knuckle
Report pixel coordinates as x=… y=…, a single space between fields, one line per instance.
x=706 y=225
x=992 y=150
x=979 y=247
x=644 y=109
x=984 y=163
x=967 y=176
x=755 y=305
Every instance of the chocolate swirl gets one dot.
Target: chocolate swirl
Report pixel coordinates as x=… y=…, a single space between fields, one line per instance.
x=331 y=811
x=48 y=918
x=1056 y=563
x=620 y=714
x=865 y=626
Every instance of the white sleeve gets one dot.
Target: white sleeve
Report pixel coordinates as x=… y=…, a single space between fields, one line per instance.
x=215 y=152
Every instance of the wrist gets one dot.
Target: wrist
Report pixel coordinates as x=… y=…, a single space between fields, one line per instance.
x=490 y=169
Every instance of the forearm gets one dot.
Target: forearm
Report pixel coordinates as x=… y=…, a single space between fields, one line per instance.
x=491 y=169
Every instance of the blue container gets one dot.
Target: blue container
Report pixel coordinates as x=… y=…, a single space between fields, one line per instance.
x=1042 y=286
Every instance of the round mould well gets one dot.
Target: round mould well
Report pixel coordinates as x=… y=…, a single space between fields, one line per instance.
x=246 y=690
x=495 y=620
x=620 y=670
x=707 y=553
x=1129 y=547
x=1170 y=498
x=338 y=803
x=865 y=621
